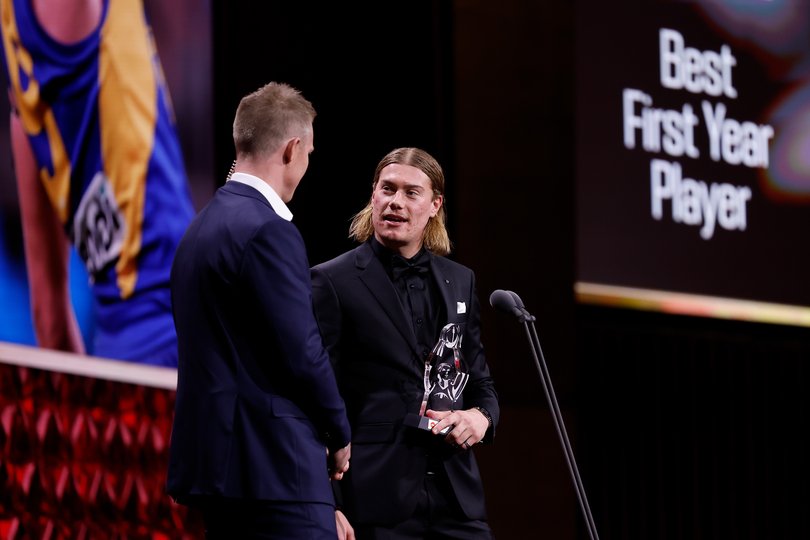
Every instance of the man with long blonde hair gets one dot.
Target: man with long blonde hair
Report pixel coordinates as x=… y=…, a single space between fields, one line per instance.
x=381 y=308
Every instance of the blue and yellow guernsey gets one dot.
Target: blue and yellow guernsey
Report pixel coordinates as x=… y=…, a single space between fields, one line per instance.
x=101 y=126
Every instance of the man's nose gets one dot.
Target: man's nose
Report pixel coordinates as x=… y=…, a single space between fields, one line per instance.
x=395 y=200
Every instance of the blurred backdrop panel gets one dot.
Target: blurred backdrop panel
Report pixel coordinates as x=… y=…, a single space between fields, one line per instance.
x=185 y=52
x=693 y=175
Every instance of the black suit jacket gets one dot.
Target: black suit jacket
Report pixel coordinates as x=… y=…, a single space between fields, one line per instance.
x=257 y=401
x=380 y=373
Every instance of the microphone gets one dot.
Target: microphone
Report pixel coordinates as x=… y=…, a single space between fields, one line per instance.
x=518 y=301
x=505 y=301
x=509 y=302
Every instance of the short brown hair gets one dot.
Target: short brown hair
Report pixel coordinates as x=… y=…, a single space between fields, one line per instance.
x=267 y=117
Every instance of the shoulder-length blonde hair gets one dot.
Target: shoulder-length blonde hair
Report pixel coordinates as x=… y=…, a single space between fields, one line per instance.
x=435 y=238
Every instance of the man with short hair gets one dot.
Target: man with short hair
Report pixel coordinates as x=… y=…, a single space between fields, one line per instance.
x=257 y=404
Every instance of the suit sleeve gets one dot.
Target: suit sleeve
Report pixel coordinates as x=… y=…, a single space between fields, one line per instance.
x=481 y=388
x=327 y=313
x=276 y=269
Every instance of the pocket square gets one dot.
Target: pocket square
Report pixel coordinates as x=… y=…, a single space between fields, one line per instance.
x=461 y=307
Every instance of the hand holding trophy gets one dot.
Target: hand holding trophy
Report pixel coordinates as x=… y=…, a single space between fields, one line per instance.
x=444 y=378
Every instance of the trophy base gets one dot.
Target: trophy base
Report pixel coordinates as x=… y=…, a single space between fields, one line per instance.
x=425 y=423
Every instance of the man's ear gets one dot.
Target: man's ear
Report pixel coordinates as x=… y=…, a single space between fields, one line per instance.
x=437 y=204
x=289 y=150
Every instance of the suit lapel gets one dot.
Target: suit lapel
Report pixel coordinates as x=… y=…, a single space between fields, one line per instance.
x=373 y=276
x=444 y=283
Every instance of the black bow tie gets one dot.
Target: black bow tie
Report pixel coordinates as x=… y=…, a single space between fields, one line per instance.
x=401 y=267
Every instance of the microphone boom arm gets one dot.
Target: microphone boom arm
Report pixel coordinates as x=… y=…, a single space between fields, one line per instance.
x=510 y=302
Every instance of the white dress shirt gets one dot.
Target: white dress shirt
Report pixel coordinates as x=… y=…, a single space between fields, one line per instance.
x=265 y=189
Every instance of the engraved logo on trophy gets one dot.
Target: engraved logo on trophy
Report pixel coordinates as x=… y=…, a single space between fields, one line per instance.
x=444 y=379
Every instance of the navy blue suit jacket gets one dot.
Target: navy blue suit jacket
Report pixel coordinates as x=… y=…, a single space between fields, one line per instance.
x=257 y=401
x=380 y=370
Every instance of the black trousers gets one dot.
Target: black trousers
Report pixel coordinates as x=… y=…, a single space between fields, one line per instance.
x=437 y=517
x=227 y=519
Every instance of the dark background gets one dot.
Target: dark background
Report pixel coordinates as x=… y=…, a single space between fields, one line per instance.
x=682 y=427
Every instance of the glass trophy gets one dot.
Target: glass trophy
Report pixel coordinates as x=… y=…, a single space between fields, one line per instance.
x=444 y=378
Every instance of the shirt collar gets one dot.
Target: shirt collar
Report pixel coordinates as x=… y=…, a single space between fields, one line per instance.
x=265 y=189
x=386 y=256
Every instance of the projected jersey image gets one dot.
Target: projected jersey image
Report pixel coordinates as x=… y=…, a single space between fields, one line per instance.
x=693 y=158
x=103 y=191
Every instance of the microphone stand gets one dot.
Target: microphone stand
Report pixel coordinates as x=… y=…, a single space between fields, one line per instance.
x=525 y=317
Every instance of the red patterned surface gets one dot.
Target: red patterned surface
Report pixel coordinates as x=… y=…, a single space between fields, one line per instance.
x=85 y=458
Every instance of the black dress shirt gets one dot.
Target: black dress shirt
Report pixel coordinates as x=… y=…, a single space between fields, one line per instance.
x=417 y=292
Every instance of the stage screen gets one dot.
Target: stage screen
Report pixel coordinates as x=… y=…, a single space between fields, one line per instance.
x=693 y=157
x=182 y=32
